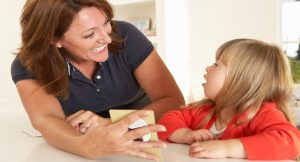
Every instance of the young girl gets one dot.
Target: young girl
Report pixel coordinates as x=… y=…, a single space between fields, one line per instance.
x=245 y=114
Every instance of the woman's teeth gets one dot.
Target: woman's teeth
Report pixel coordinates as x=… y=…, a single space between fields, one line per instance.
x=98 y=49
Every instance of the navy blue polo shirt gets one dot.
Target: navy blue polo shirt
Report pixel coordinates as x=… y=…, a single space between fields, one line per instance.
x=113 y=85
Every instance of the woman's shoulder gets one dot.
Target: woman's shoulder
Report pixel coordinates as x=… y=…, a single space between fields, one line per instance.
x=18 y=71
x=123 y=27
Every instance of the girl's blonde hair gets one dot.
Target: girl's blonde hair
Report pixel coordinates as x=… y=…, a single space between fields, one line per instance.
x=257 y=72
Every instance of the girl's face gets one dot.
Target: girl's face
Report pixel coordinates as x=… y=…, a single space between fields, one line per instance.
x=215 y=78
x=88 y=36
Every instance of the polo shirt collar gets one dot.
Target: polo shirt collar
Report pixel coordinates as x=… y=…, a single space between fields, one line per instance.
x=71 y=69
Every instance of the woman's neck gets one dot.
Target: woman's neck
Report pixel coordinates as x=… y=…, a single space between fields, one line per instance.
x=87 y=68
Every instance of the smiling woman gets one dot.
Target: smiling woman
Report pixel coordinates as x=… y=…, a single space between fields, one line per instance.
x=75 y=64
x=87 y=38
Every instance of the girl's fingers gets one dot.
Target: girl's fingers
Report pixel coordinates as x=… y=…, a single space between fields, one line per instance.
x=196 y=147
x=208 y=135
x=197 y=154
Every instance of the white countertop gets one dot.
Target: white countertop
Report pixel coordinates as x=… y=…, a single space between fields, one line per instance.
x=16 y=146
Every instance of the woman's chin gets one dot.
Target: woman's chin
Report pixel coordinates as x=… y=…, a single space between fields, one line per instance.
x=102 y=58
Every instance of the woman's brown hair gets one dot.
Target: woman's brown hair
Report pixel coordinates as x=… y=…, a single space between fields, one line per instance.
x=43 y=22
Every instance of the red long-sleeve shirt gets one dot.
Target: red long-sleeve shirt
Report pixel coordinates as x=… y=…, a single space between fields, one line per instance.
x=267 y=136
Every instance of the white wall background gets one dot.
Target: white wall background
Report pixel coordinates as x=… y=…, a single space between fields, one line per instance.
x=10 y=11
x=194 y=31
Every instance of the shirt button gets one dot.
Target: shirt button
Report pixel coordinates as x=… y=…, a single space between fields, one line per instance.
x=98 y=90
x=98 y=77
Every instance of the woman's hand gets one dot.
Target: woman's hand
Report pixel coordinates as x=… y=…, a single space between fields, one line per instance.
x=82 y=120
x=188 y=136
x=105 y=138
x=218 y=149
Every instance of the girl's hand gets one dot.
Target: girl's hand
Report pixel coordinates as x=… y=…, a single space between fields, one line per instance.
x=82 y=120
x=115 y=138
x=199 y=135
x=218 y=149
x=185 y=135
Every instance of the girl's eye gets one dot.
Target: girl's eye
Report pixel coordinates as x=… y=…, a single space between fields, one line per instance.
x=89 y=36
x=107 y=21
x=215 y=64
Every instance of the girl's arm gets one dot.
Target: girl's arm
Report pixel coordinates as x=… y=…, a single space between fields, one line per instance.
x=232 y=148
x=268 y=136
x=183 y=125
x=188 y=136
x=271 y=136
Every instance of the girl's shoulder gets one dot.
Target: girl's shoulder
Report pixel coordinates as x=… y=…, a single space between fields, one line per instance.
x=268 y=107
x=269 y=112
x=197 y=109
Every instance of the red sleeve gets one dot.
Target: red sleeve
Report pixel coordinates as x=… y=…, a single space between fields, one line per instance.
x=184 y=118
x=275 y=138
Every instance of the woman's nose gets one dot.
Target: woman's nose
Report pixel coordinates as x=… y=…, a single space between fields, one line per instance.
x=104 y=37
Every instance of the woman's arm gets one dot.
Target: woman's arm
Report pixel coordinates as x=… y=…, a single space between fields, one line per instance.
x=102 y=138
x=159 y=85
x=47 y=116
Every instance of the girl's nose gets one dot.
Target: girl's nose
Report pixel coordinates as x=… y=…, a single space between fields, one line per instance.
x=207 y=68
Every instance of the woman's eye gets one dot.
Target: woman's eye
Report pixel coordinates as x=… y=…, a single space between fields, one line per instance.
x=89 y=36
x=215 y=64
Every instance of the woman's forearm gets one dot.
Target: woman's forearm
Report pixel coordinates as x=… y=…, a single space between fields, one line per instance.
x=57 y=132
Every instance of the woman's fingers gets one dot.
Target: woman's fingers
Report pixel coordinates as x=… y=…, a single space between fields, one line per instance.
x=140 y=132
x=83 y=126
x=75 y=115
x=83 y=120
x=128 y=120
x=124 y=124
x=151 y=144
x=141 y=154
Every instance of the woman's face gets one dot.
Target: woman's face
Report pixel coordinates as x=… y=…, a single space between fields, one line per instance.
x=88 y=36
x=215 y=78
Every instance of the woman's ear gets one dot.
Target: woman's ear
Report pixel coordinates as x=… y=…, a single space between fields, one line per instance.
x=57 y=44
